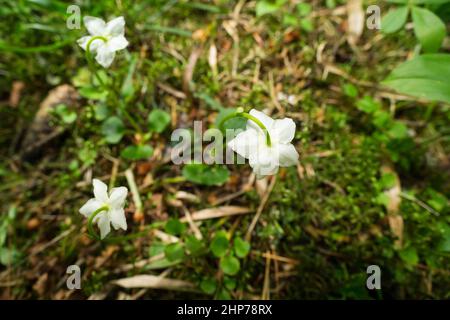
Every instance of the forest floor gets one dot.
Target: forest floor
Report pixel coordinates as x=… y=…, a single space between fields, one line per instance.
x=371 y=187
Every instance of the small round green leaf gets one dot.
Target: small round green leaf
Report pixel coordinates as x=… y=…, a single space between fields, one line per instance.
x=219 y=245
x=174 y=227
x=193 y=245
x=241 y=247
x=229 y=283
x=230 y=265
x=174 y=251
x=208 y=285
x=158 y=120
x=113 y=129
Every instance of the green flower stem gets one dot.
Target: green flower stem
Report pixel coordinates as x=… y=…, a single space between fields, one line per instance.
x=241 y=113
x=89 y=58
x=130 y=118
x=90 y=225
x=102 y=83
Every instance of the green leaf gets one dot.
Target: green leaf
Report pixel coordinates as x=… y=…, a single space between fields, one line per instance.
x=230 y=265
x=383 y=199
x=241 y=247
x=113 y=129
x=265 y=7
x=161 y=264
x=437 y=200
x=206 y=174
x=381 y=119
x=137 y=152
x=290 y=20
x=224 y=294
x=208 y=285
x=82 y=78
x=229 y=283
x=394 y=20
x=101 y=111
x=158 y=120
x=429 y=29
x=367 y=104
x=66 y=115
x=174 y=227
x=193 y=245
x=399 y=1
x=398 y=130
x=444 y=244
x=429 y=1
x=304 y=9
x=93 y=93
x=388 y=180
x=219 y=245
x=424 y=76
x=174 y=252
x=419 y=1
x=9 y=256
x=307 y=25
x=350 y=90
x=409 y=255
x=156 y=248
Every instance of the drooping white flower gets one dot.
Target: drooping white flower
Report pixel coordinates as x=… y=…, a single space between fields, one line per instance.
x=114 y=202
x=113 y=32
x=251 y=144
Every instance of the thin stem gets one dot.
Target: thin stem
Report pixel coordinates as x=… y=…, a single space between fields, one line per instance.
x=89 y=58
x=102 y=83
x=241 y=113
x=91 y=222
x=130 y=118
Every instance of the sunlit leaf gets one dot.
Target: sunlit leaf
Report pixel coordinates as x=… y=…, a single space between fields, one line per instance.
x=429 y=29
x=394 y=20
x=424 y=76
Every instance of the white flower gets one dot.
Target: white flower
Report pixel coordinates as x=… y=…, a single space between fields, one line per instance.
x=113 y=32
x=115 y=202
x=251 y=144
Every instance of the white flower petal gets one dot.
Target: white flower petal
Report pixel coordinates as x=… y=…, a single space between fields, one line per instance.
x=265 y=119
x=100 y=191
x=104 y=225
x=118 y=219
x=117 y=43
x=116 y=27
x=89 y=207
x=82 y=42
x=105 y=56
x=95 y=26
x=264 y=162
x=283 y=130
x=117 y=197
x=288 y=155
x=245 y=143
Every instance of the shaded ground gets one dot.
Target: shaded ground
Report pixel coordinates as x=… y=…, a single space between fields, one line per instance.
x=371 y=188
